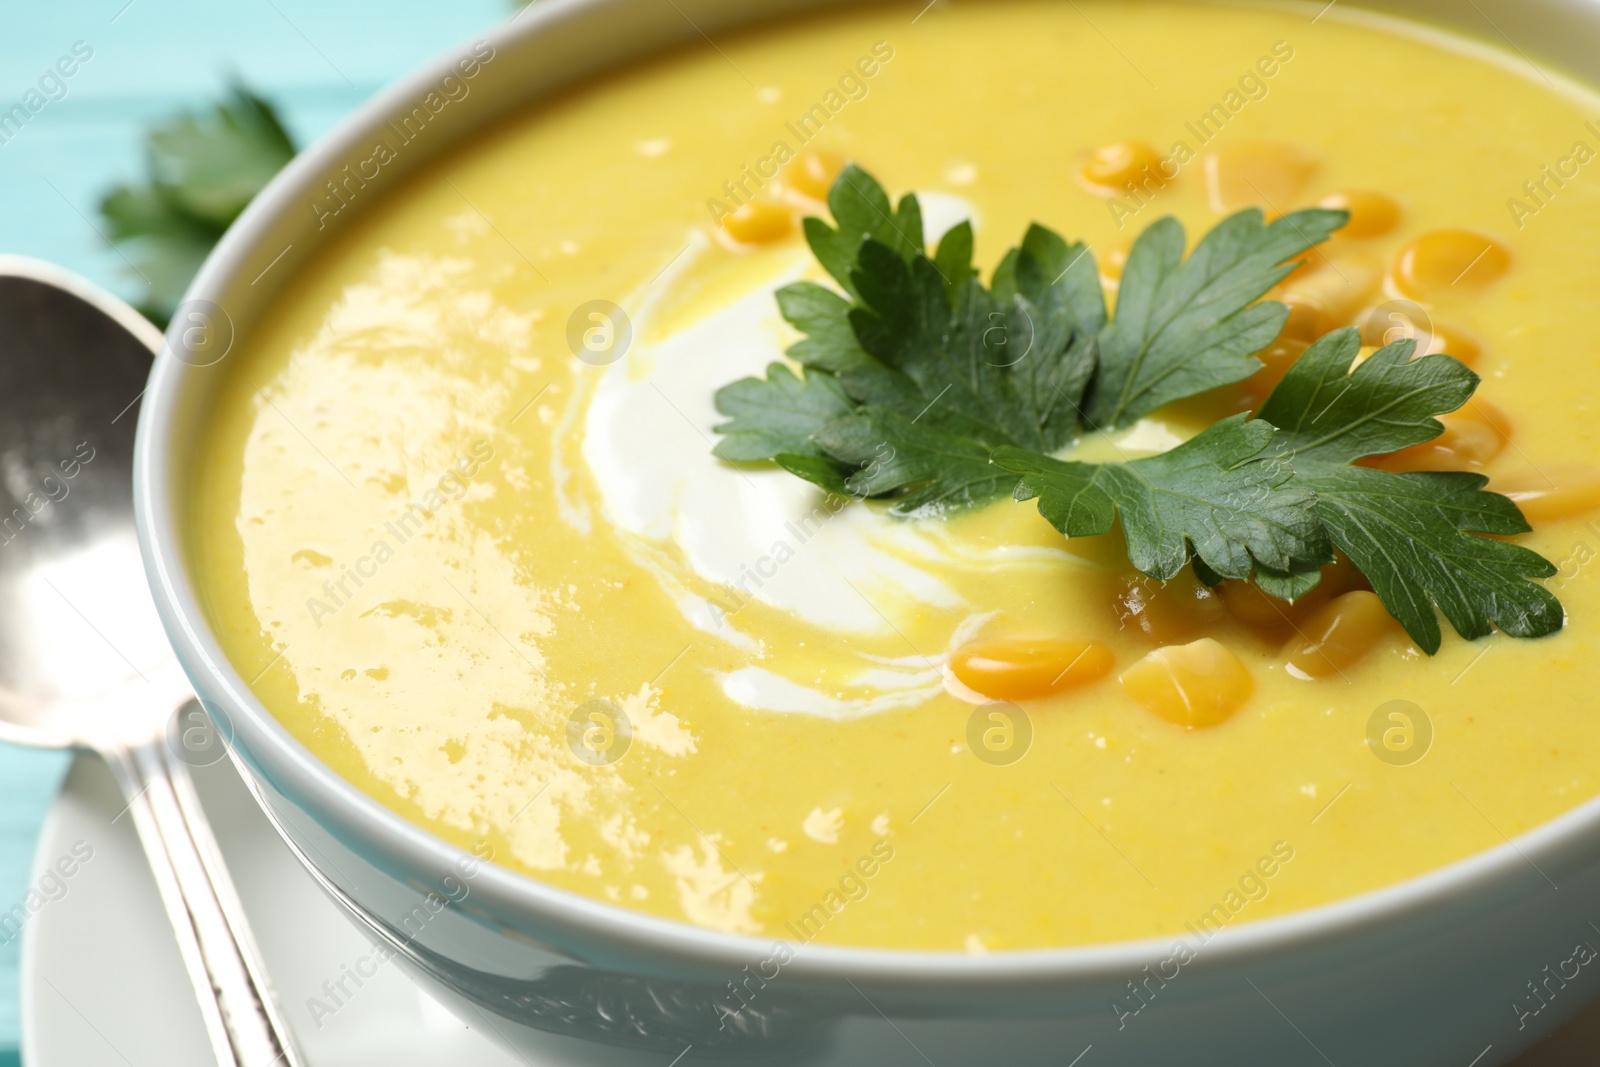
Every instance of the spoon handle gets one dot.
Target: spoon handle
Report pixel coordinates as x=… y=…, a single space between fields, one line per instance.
x=218 y=951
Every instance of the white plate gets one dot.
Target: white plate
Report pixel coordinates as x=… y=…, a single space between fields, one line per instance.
x=102 y=985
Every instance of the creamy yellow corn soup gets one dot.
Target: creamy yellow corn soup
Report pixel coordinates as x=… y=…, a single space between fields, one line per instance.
x=459 y=523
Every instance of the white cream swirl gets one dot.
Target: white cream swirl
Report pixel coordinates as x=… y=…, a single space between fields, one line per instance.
x=759 y=534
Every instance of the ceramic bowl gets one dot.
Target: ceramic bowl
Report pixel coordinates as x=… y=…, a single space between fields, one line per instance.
x=1466 y=965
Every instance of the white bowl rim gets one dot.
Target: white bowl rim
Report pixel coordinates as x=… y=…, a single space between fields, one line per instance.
x=1575 y=833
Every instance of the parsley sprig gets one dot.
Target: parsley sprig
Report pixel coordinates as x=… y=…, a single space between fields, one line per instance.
x=923 y=387
x=203 y=169
x=1412 y=535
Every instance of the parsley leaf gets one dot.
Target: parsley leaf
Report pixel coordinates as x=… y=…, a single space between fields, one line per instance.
x=935 y=468
x=823 y=316
x=1413 y=535
x=777 y=415
x=212 y=164
x=938 y=369
x=1227 y=492
x=165 y=246
x=1186 y=326
x=1328 y=412
x=1007 y=370
x=203 y=170
x=862 y=209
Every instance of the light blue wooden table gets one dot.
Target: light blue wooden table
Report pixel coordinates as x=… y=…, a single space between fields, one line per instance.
x=316 y=60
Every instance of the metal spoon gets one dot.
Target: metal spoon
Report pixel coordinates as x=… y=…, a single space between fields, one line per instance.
x=83 y=659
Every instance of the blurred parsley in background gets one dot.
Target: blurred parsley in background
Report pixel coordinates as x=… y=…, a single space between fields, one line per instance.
x=203 y=168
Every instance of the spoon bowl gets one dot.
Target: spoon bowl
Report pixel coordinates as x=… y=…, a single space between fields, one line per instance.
x=83 y=659
x=76 y=619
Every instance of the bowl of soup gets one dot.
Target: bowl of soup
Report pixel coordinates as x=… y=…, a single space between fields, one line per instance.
x=630 y=753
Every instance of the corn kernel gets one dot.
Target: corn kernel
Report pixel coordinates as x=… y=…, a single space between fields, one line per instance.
x=1165 y=611
x=1450 y=261
x=1029 y=668
x=1371 y=214
x=1554 y=491
x=813 y=173
x=1110 y=169
x=1402 y=320
x=1341 y=576
x=1276 y=360
x=1472 y=437
x=755 y=223
x=1396 y=320
x=1198 y=684
x=1307 y=321
x=1335 y=287
x=1246 y=602
x=1265 y=174
x=1338 y=634
x=1453 y=341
